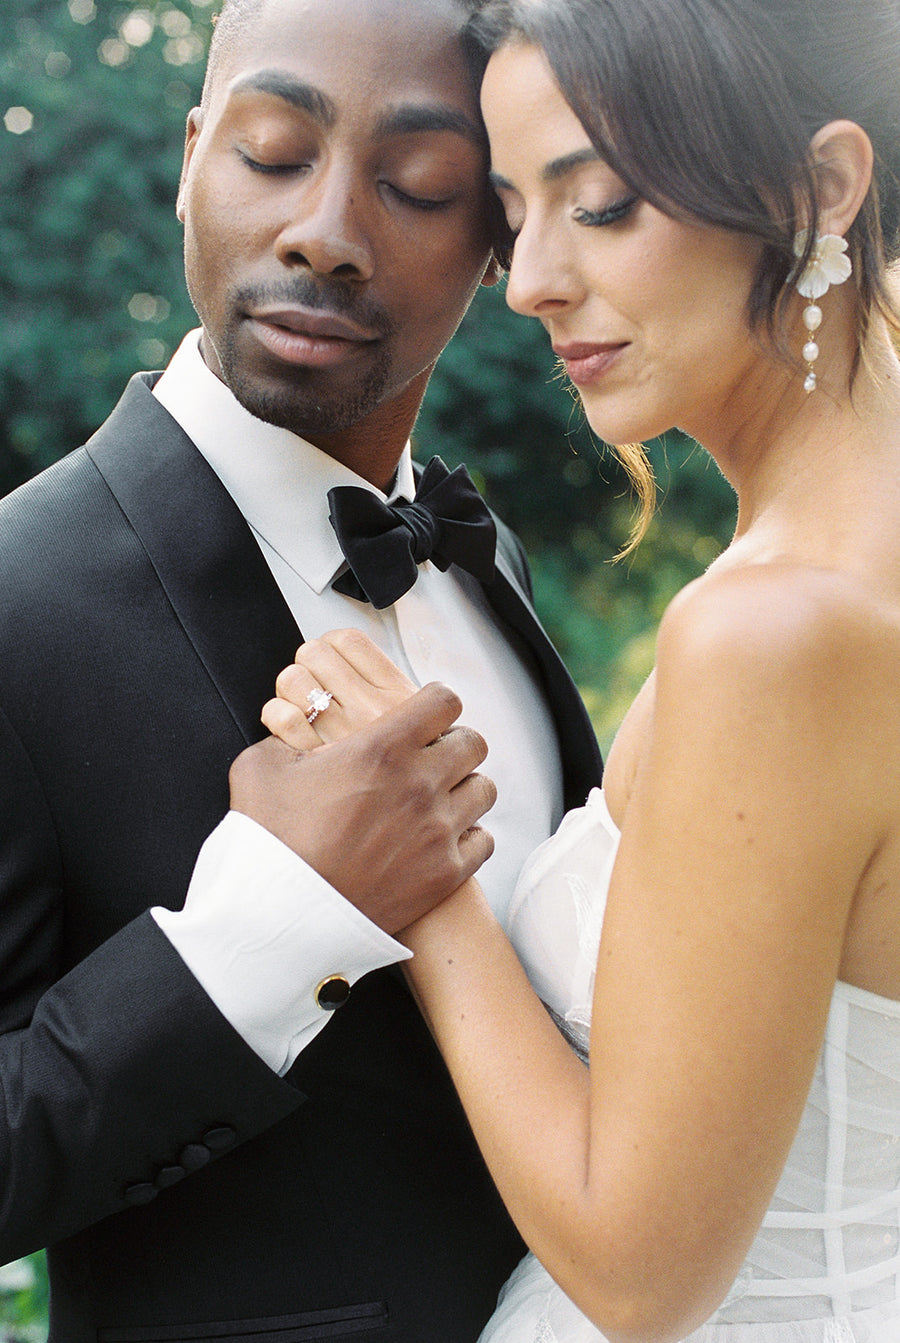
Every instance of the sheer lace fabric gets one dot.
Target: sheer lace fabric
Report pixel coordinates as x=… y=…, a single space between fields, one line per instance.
x=825 y=1265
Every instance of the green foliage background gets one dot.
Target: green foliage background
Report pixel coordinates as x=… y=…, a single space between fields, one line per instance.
x=93 y=98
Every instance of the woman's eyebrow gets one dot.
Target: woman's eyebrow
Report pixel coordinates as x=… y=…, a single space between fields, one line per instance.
x=561 y=167
x=555 y=169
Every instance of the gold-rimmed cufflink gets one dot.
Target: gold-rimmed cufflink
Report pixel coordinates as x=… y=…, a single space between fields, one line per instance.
x=332 y=992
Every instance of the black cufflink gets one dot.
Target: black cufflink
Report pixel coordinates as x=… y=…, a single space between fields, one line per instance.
x=332 y=993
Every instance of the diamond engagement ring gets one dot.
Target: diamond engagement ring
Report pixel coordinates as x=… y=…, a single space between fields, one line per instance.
x=318 y=701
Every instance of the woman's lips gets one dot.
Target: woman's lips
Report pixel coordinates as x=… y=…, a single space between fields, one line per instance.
x=586 y=363
x=307 y=338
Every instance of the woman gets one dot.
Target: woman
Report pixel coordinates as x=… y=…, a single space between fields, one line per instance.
x=687 y=181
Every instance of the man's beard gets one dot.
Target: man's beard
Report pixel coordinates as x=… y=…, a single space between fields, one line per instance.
x=295 y=408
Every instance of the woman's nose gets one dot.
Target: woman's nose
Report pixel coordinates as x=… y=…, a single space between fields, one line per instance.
x=542 y=278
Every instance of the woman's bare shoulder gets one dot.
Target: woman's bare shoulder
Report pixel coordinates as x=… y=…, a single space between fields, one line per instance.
x=779 y=618
x=793 y=671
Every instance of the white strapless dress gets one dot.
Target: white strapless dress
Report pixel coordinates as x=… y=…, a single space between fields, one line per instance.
x=825 y=1266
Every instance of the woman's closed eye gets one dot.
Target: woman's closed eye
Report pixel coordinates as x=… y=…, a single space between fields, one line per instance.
x=611 y=214
x=580 y=214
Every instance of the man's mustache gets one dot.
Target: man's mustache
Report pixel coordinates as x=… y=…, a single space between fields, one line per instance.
x=330 y=296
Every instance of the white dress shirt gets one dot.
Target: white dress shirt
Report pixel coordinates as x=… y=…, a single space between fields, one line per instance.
x=260 y=929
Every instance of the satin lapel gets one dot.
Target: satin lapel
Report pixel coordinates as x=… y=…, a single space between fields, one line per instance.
x=582 y=764
x=213 y=572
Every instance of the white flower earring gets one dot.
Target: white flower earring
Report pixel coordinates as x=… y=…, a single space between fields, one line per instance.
x=827 y=265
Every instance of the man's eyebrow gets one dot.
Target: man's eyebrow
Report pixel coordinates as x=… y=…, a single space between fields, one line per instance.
x=555 y=169
x=279 y=84
x=414 y=118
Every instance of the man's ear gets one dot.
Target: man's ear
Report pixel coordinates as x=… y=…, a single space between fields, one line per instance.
x=842 y=161
x=492 y=274
x=192 y=132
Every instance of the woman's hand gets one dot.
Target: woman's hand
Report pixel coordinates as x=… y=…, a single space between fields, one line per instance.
x=362 y=681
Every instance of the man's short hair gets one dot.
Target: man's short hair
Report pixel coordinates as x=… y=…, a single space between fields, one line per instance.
x=227 y=27
x=234 y=16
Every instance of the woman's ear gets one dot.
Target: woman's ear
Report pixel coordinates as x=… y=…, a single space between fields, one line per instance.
x=842 y=161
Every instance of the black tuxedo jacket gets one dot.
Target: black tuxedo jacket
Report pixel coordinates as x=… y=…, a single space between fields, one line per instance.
x=184 y=1190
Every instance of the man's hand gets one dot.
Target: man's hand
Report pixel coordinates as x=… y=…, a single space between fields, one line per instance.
x=388 y=814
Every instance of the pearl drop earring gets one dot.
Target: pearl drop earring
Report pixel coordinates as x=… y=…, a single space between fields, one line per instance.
x=827 y=265
x=812 y=320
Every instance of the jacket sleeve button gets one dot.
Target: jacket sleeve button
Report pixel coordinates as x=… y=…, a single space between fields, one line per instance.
x=169 y=1175
x=194 y=1156
x=144 y=1192
x=219 y=1139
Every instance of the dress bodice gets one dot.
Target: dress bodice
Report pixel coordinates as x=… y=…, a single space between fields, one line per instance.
x=825 y=1264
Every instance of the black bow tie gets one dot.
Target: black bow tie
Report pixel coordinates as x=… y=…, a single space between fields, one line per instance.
x=384 y=543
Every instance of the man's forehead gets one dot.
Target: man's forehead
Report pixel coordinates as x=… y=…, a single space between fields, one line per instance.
x=319 y=55
x=416 y=116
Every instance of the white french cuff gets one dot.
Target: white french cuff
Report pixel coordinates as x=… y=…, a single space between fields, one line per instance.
x=261 y=931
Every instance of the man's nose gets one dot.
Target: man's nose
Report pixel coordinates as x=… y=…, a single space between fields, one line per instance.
x=330 y=230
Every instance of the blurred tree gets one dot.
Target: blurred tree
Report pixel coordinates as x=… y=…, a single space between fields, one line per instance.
x=94 y=96
x=23 y=1301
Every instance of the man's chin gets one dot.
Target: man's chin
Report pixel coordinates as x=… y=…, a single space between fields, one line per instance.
x=306 y=415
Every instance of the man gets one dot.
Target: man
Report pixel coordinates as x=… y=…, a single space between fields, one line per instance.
x=206 y=1157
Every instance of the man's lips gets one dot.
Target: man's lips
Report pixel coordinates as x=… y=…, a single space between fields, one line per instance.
x=309 y=337
x=585 y=362
x=315 y=322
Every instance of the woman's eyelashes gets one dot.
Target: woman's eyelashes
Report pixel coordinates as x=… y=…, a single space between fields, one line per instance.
x=580 y=214
x=611 y=214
